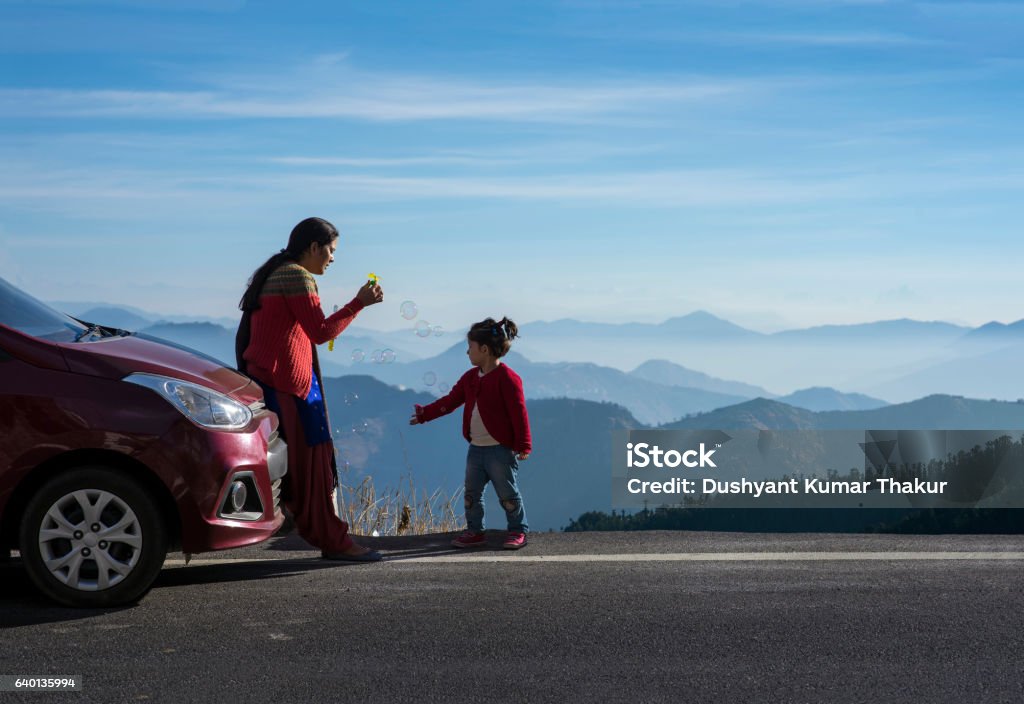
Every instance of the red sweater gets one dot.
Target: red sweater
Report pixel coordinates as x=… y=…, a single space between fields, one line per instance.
x=499 y=394
x=287 y=325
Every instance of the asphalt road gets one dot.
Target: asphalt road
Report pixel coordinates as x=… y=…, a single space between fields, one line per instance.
x=594 y=617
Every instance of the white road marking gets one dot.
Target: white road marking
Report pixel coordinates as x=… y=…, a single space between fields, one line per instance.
x=817 y=556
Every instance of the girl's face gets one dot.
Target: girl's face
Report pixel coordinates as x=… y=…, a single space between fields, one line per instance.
x=478 y=354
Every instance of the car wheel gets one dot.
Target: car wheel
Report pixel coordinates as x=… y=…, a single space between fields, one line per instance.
x=93 y=537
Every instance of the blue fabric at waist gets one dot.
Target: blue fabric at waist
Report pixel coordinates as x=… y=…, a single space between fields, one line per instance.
x=312 y=411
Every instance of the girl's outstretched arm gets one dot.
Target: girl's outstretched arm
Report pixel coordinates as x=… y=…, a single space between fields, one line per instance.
x=444 y=405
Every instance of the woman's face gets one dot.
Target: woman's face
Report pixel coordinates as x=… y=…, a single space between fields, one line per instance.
x=320 y=256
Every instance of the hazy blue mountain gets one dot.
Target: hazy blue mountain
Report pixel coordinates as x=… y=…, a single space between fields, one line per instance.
x=648 y=401
x=819 y=398
x=936 y=412
x=704 y=325
x=853 y=357
x=567 y=327
x=569 y=471
x=994 y=374
x=996 y=332
x=354 y=348
x=405 y=342
x=661 y=371
x=699 y=325
x=114 y=317
x=902 y=329
x=759 y=413
x=208 y=338
x=80 y=308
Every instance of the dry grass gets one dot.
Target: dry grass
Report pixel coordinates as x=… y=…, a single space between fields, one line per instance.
x=401 y=511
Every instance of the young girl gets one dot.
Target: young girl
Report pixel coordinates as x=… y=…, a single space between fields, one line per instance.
x=495 y=423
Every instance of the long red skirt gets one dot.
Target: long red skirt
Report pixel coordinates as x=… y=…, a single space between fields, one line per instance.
x=310 y=495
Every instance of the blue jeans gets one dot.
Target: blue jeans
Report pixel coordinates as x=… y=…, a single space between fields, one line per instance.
x=497 y=464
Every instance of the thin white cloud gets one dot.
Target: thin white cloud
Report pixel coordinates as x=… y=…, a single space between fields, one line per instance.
x=391 y=162
x=530 y=154
x=823 y=39
x=674 y=4
x=119 y=194
x=837 y=39
x=972 y=10
x=202 y=6
x=373 y=98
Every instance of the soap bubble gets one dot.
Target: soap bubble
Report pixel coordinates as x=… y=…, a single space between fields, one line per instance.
x=335 y=309
x=375 y=356
x=430 y=378
x=444 y=388
x=438 y=331
x=423 y=329
x=358 y=355
x=409 y=310
x=387 y=356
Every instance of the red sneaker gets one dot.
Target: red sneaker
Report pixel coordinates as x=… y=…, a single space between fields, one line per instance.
x=514 y=541
x=470 y=539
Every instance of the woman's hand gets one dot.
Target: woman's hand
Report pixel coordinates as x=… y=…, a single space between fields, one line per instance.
x=414 y=420
x=370 y=293
x=522 y=456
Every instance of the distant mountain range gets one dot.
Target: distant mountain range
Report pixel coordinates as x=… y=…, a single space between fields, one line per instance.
x=699 y=323
x=934 y=332
x=702 y=326
x=129 y=317
x=826 y=399
x=993 y=374
x=657 y=391
x=895 y=360
x=664 y=372
x=1012 y=333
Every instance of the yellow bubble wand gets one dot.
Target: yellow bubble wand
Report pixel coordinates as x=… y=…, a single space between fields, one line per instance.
x=371 y=279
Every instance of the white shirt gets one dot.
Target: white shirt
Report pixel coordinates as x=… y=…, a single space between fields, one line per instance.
x=478 y=434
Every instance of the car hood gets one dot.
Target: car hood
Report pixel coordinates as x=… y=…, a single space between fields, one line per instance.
x=117 y=357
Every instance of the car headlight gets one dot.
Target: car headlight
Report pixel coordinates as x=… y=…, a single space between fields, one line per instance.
x=199 y=404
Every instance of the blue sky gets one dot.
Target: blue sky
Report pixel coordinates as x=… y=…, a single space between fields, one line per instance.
x=781 y=164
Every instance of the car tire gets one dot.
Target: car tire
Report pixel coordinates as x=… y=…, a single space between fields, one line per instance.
x=93 y=537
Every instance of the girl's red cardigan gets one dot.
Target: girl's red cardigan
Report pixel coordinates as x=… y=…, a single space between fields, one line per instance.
x=499 y=395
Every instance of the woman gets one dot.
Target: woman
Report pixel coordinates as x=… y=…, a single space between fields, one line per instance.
x=282 y=322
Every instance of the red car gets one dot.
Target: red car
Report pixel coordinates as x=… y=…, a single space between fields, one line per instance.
x=116 y=447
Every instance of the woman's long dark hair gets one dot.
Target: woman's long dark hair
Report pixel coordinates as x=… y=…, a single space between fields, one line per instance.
x=497 y=335
x=303 y=235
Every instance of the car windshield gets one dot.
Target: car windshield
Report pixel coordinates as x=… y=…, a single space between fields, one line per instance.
x=22 y=312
